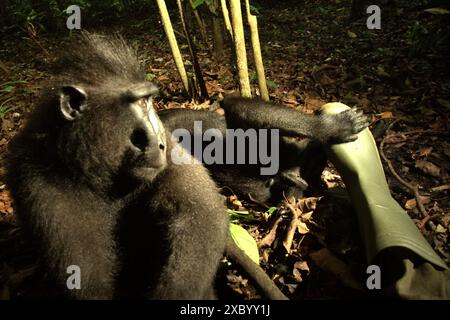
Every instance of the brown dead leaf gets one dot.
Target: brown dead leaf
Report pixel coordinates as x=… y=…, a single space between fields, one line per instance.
x=7 y=125
x=269 y=238
x=290 y=99
x=172 y=104
x=315 y=103
x=428 y=168
x=291 y=287
x=412 y=203
x=298 y=267
x=307 y=216
x=332 y=180
x=445 y=220
x=394 y=139
x=201 y=106
x=234 y=202
x=308 y=204
x=211 y=74
x=302 y=228
x=163 y=78
x=441 y=188
x=425 y=151
x=297 y=275
x=302 y=265
x=440 y=229
x=236 y=279
x=386 y=115
x=5 y=203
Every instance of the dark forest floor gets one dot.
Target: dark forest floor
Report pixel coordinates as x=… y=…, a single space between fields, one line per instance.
x=312 y=55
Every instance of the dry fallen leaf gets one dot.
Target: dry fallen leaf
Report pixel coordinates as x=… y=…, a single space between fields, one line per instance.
x=307 y=216
x=425 y=152
x=428 y=168
x=445 y=220
x=302 y=228
x=351 y=34
x=386 y=115
x=5 y=203
x=297 y=275
x=411 y=203
x=440 y=229
x=302 y=265
x=315 y=103
x=441 y=187
x=308 y=204
x=234 y=202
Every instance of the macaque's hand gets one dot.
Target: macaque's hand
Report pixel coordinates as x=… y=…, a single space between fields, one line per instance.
x=342 y=127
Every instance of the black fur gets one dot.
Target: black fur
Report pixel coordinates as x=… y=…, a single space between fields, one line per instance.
x=131 y=220
x=301 y=162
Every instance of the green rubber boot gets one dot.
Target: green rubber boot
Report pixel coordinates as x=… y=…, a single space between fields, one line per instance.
x=391 y=239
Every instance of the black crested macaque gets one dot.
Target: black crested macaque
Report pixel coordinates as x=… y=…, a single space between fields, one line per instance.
x=301 y=162
x=94 y=187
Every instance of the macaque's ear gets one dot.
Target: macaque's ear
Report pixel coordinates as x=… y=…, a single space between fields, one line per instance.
x=72 y=102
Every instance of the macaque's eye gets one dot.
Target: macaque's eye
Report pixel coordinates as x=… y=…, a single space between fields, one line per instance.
x=144 y=102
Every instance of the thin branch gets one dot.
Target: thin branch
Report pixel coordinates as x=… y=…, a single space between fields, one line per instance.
x=287 y=243
x=413 y=188
x=271 y=235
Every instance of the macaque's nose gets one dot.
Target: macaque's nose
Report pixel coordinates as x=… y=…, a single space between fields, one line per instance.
x=145 y=141
x=140 y=139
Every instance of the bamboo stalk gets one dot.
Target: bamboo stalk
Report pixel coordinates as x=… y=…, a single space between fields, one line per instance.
x=253 y=23
x=173 y=43
x=239 y=41
x=226 y=17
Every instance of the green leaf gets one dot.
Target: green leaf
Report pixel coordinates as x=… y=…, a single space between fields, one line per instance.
x=7 y=89
x=272 y=85
x=271 y=210
x=237 y=212
x=150 y=76
x=437 y=11
x=197 y=3
x=244 y=241
x=241 y=215
x=254 y=10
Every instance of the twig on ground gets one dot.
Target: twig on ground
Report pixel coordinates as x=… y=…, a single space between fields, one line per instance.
x=412 y=187
x=295 y=213
x=271 y=235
